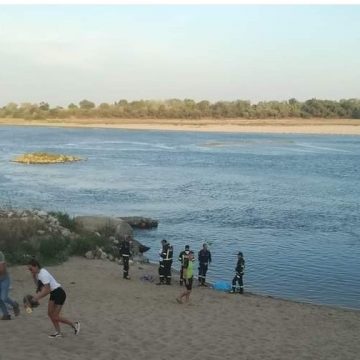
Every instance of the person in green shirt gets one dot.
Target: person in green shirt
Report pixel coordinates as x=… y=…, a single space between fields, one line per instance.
x=4 y=291
x=188 y=278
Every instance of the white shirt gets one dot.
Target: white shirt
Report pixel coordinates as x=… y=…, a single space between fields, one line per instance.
x=47 y=279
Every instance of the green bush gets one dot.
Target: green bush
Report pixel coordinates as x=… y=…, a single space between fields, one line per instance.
x=54 y=250
x=15 y=239
x=86 y=242
x=18 y=257
x=64 y=220
x=22 y=239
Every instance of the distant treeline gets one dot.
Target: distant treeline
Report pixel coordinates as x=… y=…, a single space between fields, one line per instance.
x=188 y=109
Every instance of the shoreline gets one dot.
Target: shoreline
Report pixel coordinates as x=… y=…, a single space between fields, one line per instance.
x=154 y=267
x=273 y=126
x=139 y=319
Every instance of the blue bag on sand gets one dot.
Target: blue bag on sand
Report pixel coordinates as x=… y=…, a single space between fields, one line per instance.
x=222 y=286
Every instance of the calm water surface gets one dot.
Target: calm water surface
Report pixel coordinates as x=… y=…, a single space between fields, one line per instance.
x=289 y=202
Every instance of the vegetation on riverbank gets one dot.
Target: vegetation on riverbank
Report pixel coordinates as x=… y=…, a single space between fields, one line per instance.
x=50 y=237
x=188 y=109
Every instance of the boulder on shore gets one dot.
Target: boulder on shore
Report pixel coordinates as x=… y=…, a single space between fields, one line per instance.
x=104 y=223
x=115 y=227
x=139 y=222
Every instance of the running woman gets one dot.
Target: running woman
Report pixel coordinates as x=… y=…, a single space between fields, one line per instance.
x=57 y=297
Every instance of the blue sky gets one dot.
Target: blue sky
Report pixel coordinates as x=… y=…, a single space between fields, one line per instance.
x=65 y=53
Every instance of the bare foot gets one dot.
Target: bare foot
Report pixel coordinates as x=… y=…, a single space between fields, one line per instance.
x=179 y=301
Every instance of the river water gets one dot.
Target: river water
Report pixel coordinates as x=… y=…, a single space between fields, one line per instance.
x=290 y=203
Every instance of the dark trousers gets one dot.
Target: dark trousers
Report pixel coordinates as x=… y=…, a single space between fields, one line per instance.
x=161 y=272
x=238 y=278
x=181 y=275
x=126 y=267
x=202 y=272
x=167 y=271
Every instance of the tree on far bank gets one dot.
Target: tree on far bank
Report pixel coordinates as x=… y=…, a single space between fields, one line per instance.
x=86 y=105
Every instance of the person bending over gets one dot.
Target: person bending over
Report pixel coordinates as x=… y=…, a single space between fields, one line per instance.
x=56 y=300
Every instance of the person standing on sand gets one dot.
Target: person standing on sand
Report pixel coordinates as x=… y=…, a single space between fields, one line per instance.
x=188 y=278
x=57 y=297
x=182 y=257
x=240 y=268
x=161 y=264
x=204 y=257
x=166 y=258
x=125 y=252
x=4 y=291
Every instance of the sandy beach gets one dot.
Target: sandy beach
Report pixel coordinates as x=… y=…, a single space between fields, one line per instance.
x=281 y=126
x=124 y=319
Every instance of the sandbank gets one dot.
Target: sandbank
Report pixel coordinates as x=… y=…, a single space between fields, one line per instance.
x=135 y=319
x=280 y=126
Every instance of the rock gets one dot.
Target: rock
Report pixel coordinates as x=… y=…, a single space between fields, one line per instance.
x=65 y=232
x=123 y=230
x=138 y=248
x=100 y=223
x=143 y=248
x=89 y=255
x=139 y=222
x=41 y=213
x=118 y=226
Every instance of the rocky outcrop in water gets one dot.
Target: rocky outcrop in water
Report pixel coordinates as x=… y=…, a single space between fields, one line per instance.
x=45 y=158
x=139 y=222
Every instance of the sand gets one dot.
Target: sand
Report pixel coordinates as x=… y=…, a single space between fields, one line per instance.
x=133 y=319
x=281 y=126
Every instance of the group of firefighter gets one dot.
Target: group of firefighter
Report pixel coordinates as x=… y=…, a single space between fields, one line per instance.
x=166 y=260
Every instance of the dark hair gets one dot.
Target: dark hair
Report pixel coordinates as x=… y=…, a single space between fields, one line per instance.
x=187 y=246
x=35 y=263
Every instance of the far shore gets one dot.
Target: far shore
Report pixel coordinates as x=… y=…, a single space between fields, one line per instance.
x=276 y=126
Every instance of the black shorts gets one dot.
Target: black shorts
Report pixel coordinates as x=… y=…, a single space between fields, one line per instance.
x=58 y=296
x=188 y=283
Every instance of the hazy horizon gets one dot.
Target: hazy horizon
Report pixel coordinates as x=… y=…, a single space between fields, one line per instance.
x=66 y=53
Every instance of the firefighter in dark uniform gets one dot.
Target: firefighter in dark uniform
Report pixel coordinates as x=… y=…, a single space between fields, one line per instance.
x=204 y=258
x=168 y=260
x=182 y=257
x=240 y=268
x=165 y=262
x=125 y=253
